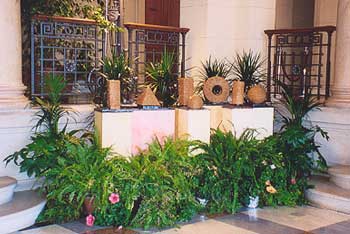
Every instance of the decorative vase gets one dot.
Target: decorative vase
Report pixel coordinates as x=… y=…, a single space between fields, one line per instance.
x=203 y=203
x=238 y=93
x=253 y=202
x=257 y=94
x=186 y=90
x=195 y=102
x=216 y=89
x=113 y=94
x=88 y=206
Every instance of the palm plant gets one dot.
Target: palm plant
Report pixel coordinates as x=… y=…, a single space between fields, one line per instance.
x=51 y=110
x=47 y=147
x=210 y=68
x=248 y=68
x=162 y=80
x=298 y=140
x=297 y=107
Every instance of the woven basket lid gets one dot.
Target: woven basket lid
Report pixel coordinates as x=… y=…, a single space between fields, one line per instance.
x=216 y=89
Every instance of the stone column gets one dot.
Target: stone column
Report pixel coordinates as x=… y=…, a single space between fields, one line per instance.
x=11 y=86
x=341 y=87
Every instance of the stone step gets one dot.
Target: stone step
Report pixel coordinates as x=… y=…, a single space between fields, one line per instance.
x=340 y=175
x=7 y=187
x=328 y=195
x=21 y=212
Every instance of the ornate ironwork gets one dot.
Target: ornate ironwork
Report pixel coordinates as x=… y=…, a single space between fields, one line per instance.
x=67 y=47
x=114 y=15
x=299 y=58
x=146 y=43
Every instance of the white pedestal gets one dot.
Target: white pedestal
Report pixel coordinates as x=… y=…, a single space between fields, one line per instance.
x=193 y=124
x=215 y=116
x=128 y=132
x=240 y=119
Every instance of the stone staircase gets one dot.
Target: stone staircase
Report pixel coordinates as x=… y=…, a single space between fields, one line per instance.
x=18 y=210
x=333 y=191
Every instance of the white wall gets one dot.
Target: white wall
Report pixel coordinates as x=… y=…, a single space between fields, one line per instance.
x=223 y=27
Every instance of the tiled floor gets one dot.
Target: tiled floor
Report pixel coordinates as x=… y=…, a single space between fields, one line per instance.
x=283 y=220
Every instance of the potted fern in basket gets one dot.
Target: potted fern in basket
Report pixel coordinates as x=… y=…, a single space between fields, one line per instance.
x=120 y=81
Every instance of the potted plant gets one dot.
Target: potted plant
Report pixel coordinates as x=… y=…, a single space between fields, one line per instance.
x=120 y=80
x=162 y=80
x=247 y=69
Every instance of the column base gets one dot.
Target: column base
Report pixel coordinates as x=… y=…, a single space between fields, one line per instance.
x=12 y=97
x=338 y=102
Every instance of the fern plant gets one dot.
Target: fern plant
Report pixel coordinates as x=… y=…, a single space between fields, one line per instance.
x=222 y=163
x=88 y=173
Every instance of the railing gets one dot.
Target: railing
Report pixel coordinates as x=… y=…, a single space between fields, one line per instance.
x=301 y=59
x=146 y=43
x=67 y=47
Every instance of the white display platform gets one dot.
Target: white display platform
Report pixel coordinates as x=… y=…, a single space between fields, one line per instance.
x=239 y=119
x=193 y=124
x=129 y=131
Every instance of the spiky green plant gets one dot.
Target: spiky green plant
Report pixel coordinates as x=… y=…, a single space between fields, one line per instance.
x=162 y=80
x=248 y=67
x=117 y=67
x=212 y=67
x=297 y=108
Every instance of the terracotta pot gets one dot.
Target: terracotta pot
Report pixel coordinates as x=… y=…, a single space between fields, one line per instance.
x=257 y=94
x=88 y=206
x=186 y=90
x=237 y=93
x=113 y=94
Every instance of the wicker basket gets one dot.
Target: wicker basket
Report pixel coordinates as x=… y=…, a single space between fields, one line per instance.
x=113 y=94
x=237 y=93
x=186 y=90
x=216 y=89
x=257 y=94
x=195 y=102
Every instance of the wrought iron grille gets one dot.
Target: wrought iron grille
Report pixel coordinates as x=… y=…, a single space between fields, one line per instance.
x=147 y=43
x=67 y=47
x=301 y=59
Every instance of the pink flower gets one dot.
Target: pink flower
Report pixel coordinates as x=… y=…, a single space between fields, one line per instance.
x=114 y=198
x=293 y=181
x=90 y=219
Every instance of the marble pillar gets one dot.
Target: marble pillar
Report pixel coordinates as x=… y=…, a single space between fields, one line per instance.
x=341 y=86
x=11 y=86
